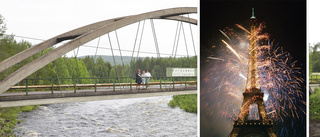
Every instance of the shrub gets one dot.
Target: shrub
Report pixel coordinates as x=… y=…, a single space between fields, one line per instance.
x=314 y=105
x=186 y=102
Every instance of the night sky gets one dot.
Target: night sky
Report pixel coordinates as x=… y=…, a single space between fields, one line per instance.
x=285 y=23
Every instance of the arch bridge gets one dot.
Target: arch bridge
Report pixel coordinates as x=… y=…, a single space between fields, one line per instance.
x=78 y=37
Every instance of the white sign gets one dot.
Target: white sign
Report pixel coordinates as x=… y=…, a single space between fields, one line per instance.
x=181 y=72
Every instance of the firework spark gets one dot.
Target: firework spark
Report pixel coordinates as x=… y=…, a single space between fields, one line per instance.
x=229 y=47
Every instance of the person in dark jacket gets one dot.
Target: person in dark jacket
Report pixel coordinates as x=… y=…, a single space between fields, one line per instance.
x=138 y=79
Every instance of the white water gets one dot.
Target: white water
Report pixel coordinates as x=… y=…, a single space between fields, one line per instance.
x=139 y=117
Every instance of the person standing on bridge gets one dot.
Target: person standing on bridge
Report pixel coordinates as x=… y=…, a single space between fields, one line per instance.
x=148 y=75
x=138 y=79
x=143 y=77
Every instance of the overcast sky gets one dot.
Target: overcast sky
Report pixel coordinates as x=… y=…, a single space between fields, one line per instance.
x=45 y=19
x=313 y=21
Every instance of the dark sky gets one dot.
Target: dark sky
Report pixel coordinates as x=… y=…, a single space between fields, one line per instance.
x=285 y=23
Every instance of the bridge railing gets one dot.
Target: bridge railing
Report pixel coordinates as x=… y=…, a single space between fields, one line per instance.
x=314 y=79
x=114 y=83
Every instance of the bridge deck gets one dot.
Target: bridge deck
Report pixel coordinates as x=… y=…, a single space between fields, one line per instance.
x=38 y=99
x=10 y=99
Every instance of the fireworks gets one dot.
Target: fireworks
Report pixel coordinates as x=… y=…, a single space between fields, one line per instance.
x=280 y=80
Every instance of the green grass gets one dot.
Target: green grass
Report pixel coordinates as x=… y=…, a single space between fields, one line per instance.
x=8 y=118
x=314 y=105
x=186 y=102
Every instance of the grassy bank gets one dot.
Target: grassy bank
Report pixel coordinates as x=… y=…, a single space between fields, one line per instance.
x=8 y=118
x=314 y=107
x=186 y=102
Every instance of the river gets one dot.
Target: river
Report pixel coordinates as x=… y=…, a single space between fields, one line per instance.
x=137 y=117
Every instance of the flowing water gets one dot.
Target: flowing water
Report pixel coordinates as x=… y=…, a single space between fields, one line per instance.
x=138 y=117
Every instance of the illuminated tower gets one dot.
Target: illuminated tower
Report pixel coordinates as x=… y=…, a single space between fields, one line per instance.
x=262 y=126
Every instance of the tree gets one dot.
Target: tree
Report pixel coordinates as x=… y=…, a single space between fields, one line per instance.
x=61 y=70
x=156 y=72
x=113 y=75
x=102 y=70
x=146 y=63
x=139 y=64
x=3 y=27
x=90 y=64
x=82 y=72
x=315 y=59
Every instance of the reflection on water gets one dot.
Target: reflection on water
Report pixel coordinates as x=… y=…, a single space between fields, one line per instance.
x=126 y=117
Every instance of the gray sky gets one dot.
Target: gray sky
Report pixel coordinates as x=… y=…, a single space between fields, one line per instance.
x=313 y=21
x=45 y=19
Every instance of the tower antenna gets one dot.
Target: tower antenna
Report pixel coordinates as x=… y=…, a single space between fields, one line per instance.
x=253 y=17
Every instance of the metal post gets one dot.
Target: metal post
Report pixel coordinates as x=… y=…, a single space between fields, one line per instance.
x=185 y=82
x=109 y=81
x=160 y=84
x=114 y=87
x=173 y=82
x=27 y=87
x=119 y=83
x=51 y=85
x=74 y=85
x=95 y=85
x=130 y=84
x=126 y=81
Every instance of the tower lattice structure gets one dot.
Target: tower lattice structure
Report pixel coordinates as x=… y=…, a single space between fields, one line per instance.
x=263 y=126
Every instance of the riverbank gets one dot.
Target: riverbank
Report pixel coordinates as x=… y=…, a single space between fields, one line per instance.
x=185 y=102
x=8 y=118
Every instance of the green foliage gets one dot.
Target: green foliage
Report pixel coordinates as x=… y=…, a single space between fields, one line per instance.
x=61 y=69
x=10 y=47
x=2 y=26
x=186 y=102
x=314 y=78
x=157 y=66
x=29 y=108
x=314 y=58
x=113 y=73
x=8 y=118
x=314 y=105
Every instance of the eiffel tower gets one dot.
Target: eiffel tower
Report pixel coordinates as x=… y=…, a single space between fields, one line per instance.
x=244 y=127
